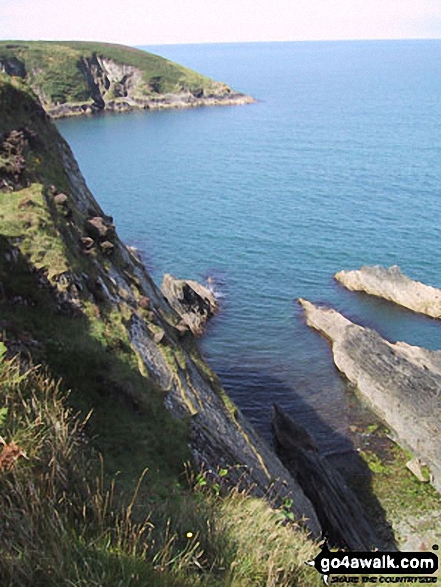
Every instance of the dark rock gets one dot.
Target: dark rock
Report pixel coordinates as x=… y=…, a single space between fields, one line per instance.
x=338 y=509
x=98 y=229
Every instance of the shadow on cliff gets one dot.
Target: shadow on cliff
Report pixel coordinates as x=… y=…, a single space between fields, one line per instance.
x=128 y=423
x=345 y=459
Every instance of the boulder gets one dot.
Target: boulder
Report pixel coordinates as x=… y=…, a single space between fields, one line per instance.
x=98 y=229
x=60 y=199
x=194 y=303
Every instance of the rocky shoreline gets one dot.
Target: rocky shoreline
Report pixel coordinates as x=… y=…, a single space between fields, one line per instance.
x=400 y=382
x=165 y=102
x=392 y=285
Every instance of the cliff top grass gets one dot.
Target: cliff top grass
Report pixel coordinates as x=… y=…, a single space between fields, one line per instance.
x=54 y=67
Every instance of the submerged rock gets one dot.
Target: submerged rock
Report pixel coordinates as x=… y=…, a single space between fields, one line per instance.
x=390 y=284
x=402 y=383
x=337 y=506
x=195 y=303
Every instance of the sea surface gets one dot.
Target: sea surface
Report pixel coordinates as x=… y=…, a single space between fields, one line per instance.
x=337 y=165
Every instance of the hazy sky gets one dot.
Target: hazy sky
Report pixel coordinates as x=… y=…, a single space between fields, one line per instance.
x=138 y=22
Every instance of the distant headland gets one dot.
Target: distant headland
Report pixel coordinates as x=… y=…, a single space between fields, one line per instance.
x=74 y=78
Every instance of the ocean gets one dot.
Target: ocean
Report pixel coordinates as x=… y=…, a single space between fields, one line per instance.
x=337 y=165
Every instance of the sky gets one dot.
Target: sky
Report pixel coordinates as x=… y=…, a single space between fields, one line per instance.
x=154 y=22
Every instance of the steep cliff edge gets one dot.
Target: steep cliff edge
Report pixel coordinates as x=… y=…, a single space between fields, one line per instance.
x=392 y=285
x=74 y=78
x=74 y=296
x=401 y=383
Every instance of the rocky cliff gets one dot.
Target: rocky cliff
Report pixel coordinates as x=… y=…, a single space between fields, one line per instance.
x=390 y=284
x=79 y=78
x=400 y=382
x=62 y=263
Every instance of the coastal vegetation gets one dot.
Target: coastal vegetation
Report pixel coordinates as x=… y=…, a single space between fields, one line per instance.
x=97 y=481
x=72 y=78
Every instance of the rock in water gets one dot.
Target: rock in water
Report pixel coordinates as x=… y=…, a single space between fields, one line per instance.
x=195 y=303
x=402 y=383
x=392 y=285
x=337 y=506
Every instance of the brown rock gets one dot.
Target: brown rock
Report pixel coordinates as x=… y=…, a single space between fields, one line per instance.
x=97 y=228
x=107 y=247
x=60 y=199
x=144 y=303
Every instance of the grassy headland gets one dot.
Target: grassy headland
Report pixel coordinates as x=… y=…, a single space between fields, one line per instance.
x=105 y=76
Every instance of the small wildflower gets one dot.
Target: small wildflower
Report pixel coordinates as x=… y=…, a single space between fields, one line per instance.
x=189 y=534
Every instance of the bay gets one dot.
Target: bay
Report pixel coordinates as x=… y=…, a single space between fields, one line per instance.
x=336 y=166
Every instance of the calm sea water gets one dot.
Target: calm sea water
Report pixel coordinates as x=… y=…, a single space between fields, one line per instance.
x=338 y=165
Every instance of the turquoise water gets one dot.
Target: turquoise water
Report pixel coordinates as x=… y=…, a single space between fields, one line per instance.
x=338 y=165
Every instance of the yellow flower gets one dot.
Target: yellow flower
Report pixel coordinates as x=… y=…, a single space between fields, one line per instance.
x=189 y=534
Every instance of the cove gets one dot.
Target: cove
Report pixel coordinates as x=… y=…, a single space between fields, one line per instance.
x=335 y=167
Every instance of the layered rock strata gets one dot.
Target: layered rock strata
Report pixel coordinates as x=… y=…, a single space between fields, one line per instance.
x=402 y=383
x=114 y=282
x=390 y=284
x=338 y=509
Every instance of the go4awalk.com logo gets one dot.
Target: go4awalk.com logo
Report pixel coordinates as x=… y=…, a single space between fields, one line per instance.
x=417 y=567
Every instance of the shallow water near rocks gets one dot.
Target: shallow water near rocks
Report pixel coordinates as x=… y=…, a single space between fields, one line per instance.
x=336 y=166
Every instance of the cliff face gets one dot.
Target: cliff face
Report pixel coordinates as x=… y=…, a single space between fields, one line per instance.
x=79 y=78
x=51 y=223
x=390 y=284
x=401 y=383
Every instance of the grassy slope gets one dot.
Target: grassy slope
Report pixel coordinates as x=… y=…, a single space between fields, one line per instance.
x=53 y=68
x=61 y=525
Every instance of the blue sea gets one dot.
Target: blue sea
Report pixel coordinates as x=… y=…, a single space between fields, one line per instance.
x=337 y=165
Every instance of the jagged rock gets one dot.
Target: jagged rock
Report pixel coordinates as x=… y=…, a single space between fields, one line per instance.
x=402 y=383
x=390 y=284
x=107 y=247
x=99 y=229
x=338 y=509
x=195 y=303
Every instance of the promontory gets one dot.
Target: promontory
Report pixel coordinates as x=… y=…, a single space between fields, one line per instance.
x=74 y=78
x=401 y=383
x=391 y=284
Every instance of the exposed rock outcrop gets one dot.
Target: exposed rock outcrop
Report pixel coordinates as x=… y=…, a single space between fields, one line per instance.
x=96 y=77
x=337 y=507
x=390 y=284
x=402 y=383
x=195 y=303
x=119 y=286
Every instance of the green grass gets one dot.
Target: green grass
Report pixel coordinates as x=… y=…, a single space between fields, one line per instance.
x=64 y=522
x=54 y=69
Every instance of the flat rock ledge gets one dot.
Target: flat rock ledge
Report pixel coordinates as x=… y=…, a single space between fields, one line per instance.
x=402 y=383
x=194 y=302
x=390 y=284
